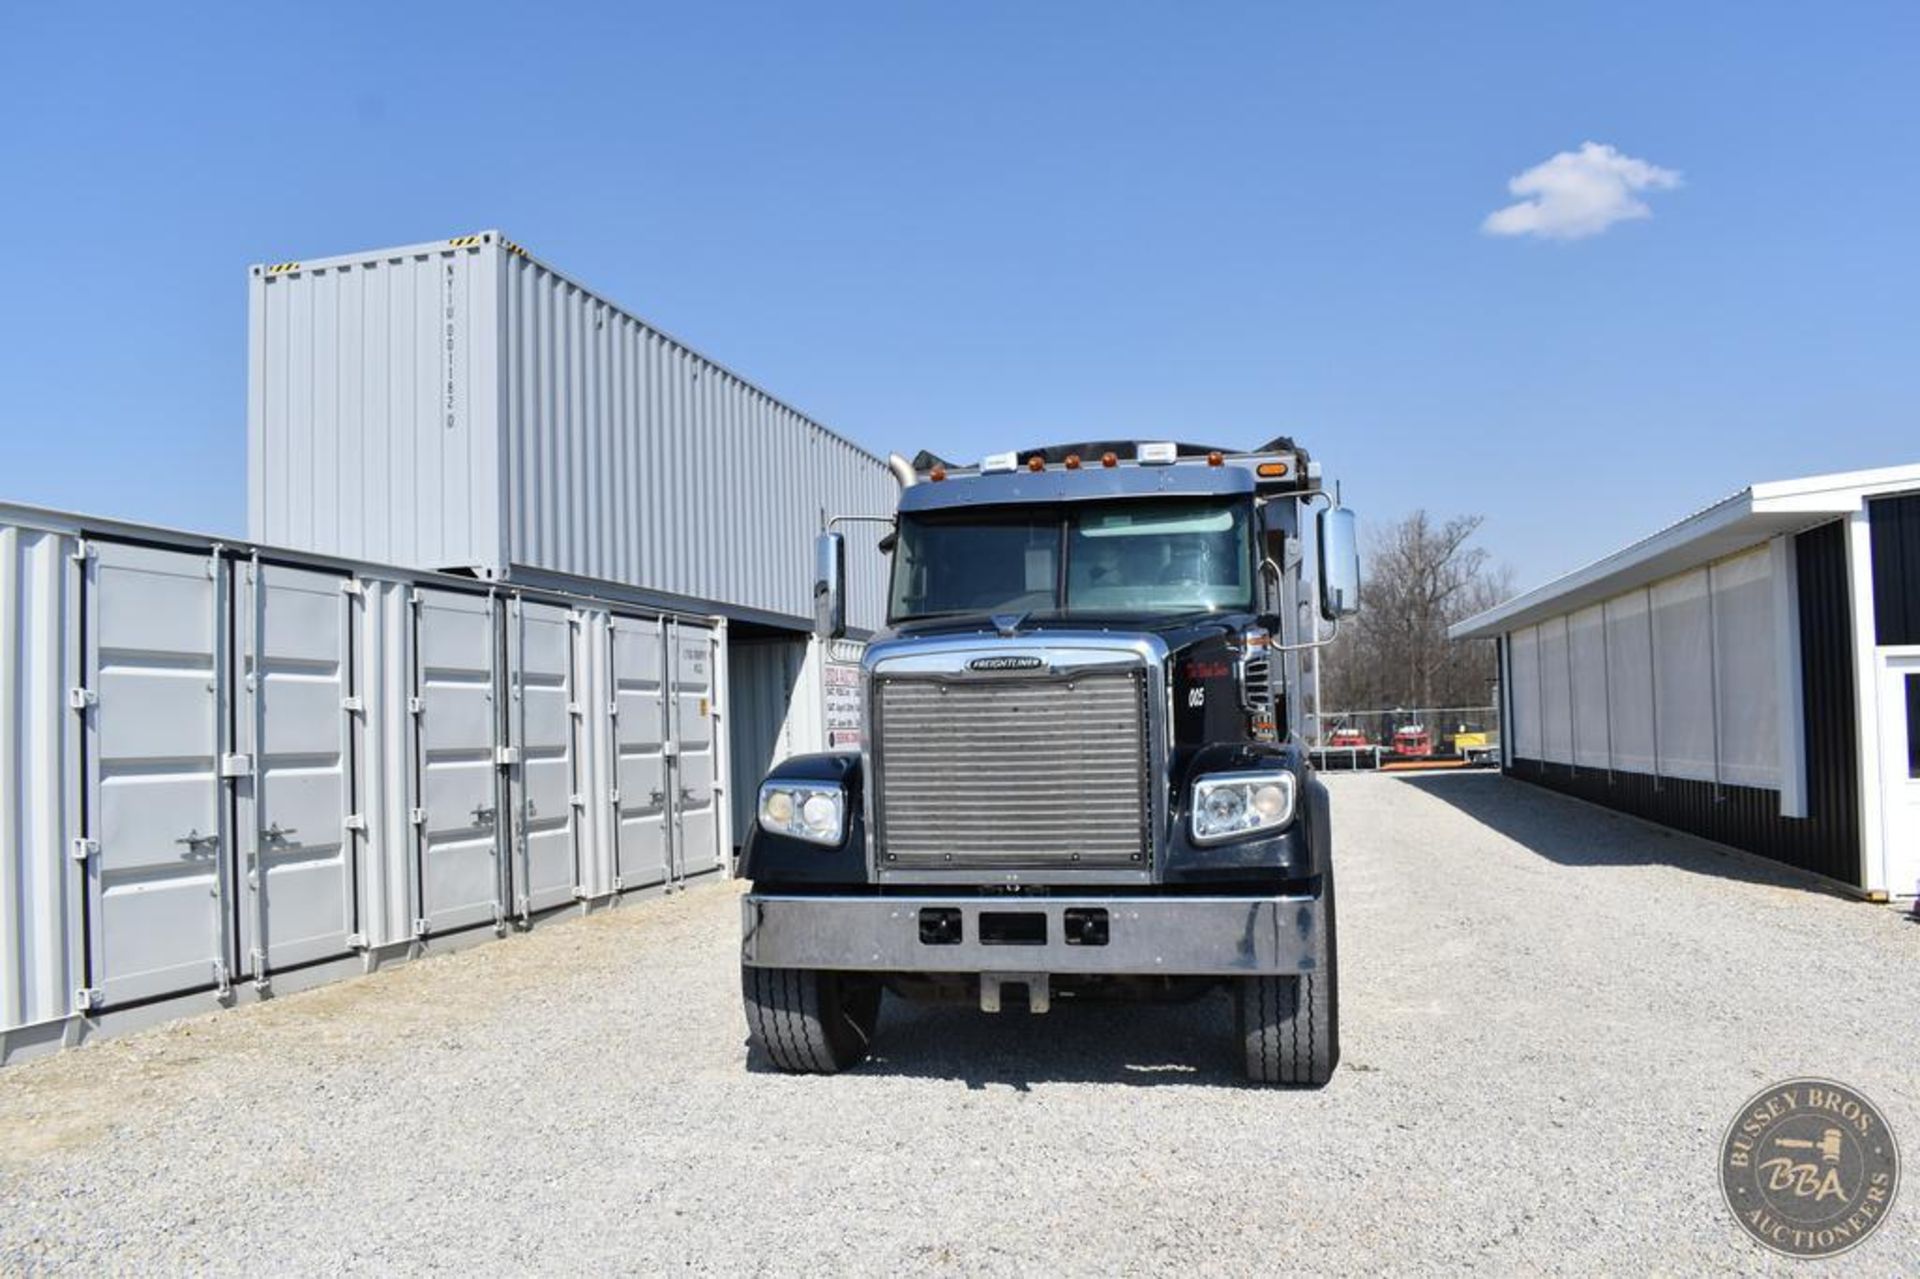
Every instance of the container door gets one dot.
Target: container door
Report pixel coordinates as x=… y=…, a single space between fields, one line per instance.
x=544 y=776
x=640 y=764
x=457 y=831
x=156 y=882
x=292 y=723
x=696 y=824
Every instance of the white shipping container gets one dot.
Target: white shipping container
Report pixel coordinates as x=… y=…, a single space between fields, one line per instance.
x=460 y=405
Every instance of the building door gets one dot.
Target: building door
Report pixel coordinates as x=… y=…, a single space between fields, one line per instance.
x=1900 y=770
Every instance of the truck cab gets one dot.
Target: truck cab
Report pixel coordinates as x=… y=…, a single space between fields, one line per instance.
x=1082 y=774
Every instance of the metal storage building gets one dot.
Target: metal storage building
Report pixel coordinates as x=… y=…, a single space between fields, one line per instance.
x=1750 y=674
x=233 y=769
x=462 y=406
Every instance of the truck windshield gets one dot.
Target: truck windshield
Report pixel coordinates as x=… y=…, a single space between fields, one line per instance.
x=1128 y=558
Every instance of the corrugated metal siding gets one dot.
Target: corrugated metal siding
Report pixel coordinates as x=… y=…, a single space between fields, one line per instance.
x=373 y=411
x=1895 y=534
x=1827 y=841
x=40 y=960
x=471 y=408
x=222 y=765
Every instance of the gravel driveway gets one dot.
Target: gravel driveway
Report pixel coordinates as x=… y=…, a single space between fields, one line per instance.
x=1550 y=1013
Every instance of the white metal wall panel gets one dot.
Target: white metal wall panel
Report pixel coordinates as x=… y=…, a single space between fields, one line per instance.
x=541 y=709
x=1746 y=676
x=293 y=725
x=1556 y=693
x=1587 y=652
x=463 y=405
x=156 y=891
x=40 y=962
x=373 y=407
x=1523 y=664
x=1683 y=676
x=697 y=789
x=1630 y=706
x=639 y=739
x=459 y=800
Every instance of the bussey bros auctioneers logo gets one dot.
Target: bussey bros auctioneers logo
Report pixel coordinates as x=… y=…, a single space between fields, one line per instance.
x=1809 y=1168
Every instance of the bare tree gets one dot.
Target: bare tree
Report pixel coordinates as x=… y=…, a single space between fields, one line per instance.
x=1422 y=575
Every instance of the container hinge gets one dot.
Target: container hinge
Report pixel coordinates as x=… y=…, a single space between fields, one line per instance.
x=670 y=749
x=83 y=550
x=262 y=980
x=81 y=849
x=613 y=709
x=577 y=801
x=506 y=756
x=417 y=816
x=354 y=705
x=353 y=586
x=222 y=979
x=86 y=999
x=576 y=709
x=576 y=619
x=356 y=941
x=355 y=821
x=236 y=766
x=415 y=706
x=81 y=698
x=420 y=928
x=619 y=884
x=613 y=796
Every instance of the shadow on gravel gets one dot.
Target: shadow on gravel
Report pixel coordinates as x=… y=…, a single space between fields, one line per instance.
x=1140 y=1045
x=1571 y=832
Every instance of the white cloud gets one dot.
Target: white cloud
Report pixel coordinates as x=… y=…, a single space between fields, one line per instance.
x=1579 y=193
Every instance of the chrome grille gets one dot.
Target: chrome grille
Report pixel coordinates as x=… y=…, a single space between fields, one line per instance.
x=1012 y=771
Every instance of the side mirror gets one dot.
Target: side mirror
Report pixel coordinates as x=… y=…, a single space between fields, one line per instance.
x=1339 y=538
x=829 y=586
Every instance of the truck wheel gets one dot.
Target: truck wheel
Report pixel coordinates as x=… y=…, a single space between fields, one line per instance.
x=809 y=1021
x=1290 y=1026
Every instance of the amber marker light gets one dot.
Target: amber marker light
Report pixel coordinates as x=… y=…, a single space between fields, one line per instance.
x=937 y=474
x=1109 y=459
x=1216 y=458
x=1271 y=470
x=1036 y=463
x=1073 y=461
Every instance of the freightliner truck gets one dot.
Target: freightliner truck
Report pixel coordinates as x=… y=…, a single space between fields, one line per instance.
x=1082 y=772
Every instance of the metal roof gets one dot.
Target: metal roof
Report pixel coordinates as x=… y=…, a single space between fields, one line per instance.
x=1733 y=524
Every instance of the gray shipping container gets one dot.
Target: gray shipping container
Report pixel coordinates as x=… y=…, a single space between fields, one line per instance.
x=230 y=769
x=462 y=406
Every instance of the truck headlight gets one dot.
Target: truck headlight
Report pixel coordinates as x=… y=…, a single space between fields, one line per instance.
x=1230 y=804
x=813 y=811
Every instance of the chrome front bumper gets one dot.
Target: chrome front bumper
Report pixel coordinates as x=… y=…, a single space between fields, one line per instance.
x=1178 y=936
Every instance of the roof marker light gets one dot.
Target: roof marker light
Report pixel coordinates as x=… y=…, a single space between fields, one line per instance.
x=1216 y=458
x=1158 y=454
x=938 y=473
x=1271 y=470
x=1036 y=464
x=998 y=462
x=1073 y=461
x=1109 y=459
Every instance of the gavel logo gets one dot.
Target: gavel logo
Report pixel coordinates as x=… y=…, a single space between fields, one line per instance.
x=1828 y=1145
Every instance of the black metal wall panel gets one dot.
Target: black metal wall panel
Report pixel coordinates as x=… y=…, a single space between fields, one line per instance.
x=1895 y=525
x=1827 y=840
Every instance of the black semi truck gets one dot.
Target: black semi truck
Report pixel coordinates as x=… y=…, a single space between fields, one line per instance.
x=1082 y=772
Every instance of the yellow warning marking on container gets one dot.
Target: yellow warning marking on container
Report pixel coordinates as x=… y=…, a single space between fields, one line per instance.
x=281 y=268
x=464 y=241
x=511 y=247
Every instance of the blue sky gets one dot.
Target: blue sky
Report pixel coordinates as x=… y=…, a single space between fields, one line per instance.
x=971 y=227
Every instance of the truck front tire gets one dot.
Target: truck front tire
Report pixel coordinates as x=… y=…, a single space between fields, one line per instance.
x=809 y=1021
x=1290 y=1026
